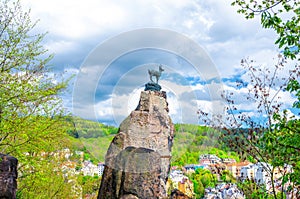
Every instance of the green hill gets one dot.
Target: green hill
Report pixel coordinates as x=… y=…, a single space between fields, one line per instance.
x=89 y=129
x=190 y=141
x=91 y=137
x=93 y=148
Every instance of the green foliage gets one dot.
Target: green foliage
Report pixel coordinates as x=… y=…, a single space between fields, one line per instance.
x=226 y=176
x=253 y=190
x=191 y=141
x=90 y=184
x=97 y=147
x=283 y=142
x=94 y=148
x=274 y=137
x=31 y=115
x=89 y=129
x=294 y=87
x=202 y=178
x=280 y=139
x=30 y=110
x=45 y=180
x=283 y=17
x=224 y=154
x=280 y=15
x=198 y=189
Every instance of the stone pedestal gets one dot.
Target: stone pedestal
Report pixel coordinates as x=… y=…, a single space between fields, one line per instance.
x=151 y=86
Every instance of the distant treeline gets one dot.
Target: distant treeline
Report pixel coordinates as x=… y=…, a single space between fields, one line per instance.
x=191 y=141
x=82 y=128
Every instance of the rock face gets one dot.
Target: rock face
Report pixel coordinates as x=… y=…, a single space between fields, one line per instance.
x=8 y=176
x=137 y=162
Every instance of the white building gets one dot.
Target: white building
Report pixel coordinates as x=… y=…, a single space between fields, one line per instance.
x=66 y=153
x=100 y=168
x=262 y=176
x=209 y=159
x=224 y=191
x=89 y=169
x=177 y=176
x=248 y=172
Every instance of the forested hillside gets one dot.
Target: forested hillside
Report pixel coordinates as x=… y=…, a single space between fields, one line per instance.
x=89 y=129
x=91 y=137
x=190 y=141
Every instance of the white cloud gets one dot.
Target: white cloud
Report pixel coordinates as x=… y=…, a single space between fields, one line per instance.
x=118 y=107
x=76 y=19
x=60 y=46
x=103 y=109
x=215 y=107
x=74 y=26
x=242 y=103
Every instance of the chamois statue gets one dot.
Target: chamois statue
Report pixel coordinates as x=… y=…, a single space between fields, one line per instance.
x=155 y=73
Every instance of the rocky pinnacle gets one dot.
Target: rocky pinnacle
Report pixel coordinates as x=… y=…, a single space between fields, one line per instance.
x=137 y=162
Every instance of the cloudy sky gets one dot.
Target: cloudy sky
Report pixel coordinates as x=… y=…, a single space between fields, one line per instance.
x=110 y=44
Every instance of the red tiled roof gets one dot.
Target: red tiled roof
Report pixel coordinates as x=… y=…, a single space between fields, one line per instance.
x=239 y=164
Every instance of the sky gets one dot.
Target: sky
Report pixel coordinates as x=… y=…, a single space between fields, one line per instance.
x=109 y=45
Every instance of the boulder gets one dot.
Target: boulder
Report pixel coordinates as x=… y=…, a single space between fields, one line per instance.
x=8 y=176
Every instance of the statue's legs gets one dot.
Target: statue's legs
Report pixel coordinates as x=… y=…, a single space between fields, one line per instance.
x=151 y=78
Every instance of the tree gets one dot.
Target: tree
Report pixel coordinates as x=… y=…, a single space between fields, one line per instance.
x=268 y=135
x=31 y=115
x=283 y=16
x=252 y=190
x=90 y=184
x=202 y=178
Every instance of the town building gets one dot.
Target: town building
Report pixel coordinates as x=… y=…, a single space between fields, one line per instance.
x=217 y=169
x=248 y=172
x=101 y=166
x=262 y=175
x=180 y=182
x=222 y=191
x=228 y=160
x=208 y=159
x=89 y=169
x=193 y=167
x=235 y=168
x=69 y=167
x=186 y=186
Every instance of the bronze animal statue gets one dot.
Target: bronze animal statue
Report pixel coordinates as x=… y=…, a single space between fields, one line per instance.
x=155 y=73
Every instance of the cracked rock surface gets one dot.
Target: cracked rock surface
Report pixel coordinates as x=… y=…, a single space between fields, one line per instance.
x=137 y=162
